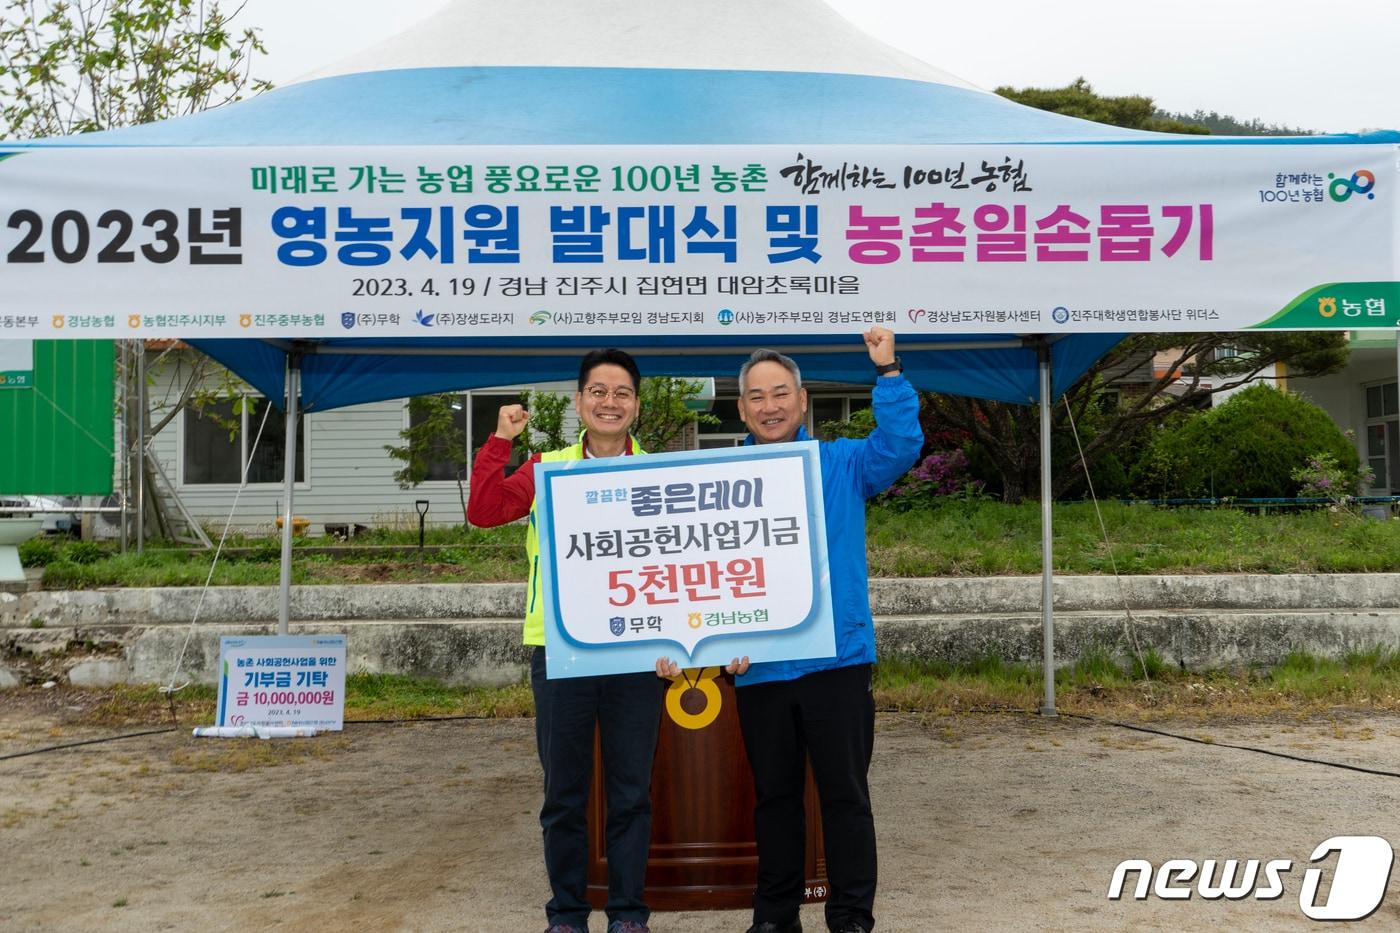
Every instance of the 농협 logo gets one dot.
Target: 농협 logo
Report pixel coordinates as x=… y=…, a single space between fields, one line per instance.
x=1360 y=182
x=1327 y=307
x=725 y=317
x=1358 y=882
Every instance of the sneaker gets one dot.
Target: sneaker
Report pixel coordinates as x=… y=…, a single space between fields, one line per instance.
x=769 y=926
x=628 y=926
x=563 y=928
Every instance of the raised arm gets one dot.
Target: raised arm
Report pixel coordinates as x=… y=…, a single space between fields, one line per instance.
x=496 y=499
x=894 y=445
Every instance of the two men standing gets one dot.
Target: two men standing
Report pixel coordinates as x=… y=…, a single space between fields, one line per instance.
x=788 y=710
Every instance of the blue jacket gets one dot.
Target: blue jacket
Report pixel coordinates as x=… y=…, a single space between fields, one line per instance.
x=853 y=471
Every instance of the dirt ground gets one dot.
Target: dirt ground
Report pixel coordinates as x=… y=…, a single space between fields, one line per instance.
x=998 y=822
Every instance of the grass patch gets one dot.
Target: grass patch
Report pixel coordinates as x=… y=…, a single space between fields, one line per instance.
x=388 y=696
x=985 y=538
x=367 y=696
x=1100 y=684
x=144 y=704
x=208 y=756
x=953 y=538
x=912 y=684
x=477 y=555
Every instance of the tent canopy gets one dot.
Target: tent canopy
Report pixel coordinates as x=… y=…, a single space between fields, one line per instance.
x=729 y=72
x=635 y=72
x=338 y=372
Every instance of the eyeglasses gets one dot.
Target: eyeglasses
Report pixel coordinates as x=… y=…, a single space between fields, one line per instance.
x=599 y=393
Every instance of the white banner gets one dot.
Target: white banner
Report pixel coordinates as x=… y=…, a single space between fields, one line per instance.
x=543 y=241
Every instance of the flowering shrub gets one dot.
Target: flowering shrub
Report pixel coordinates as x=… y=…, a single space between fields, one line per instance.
x=941 y=473
x=1321 y=477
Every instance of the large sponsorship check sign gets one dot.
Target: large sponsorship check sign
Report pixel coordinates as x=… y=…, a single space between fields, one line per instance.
x=701 y=556
x=571 y=241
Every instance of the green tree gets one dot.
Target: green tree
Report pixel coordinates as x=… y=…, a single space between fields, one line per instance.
x=1229 y=126
x=545 y=429
x=1077 y=99
x=86 y=65
x=1010 y=434
x=78 y=66
x=432 y=436
x=665 y=414
x=860 y=424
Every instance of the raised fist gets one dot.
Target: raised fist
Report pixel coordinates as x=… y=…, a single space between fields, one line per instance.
x=880 y=343
x=510 y=421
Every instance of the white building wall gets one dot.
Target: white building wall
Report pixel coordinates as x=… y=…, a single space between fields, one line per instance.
x=1269 y=375
x=1343 y=395
x=348 y=474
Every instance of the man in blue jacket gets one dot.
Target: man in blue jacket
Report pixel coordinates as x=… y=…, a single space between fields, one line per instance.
x=824 y=708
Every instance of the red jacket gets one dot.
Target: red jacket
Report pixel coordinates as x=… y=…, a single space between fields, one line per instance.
x=496 y=498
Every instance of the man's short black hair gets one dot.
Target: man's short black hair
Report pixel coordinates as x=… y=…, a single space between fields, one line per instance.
x=613 y=356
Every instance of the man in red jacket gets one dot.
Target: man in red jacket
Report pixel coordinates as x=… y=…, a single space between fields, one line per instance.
x=625 y=707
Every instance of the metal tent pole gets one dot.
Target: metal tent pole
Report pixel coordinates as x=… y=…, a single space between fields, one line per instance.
x=124 y=351
x=284 y=599
x=1047 y=548
x=140 y=446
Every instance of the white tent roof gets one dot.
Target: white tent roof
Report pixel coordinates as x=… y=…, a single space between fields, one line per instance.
x=742 y=35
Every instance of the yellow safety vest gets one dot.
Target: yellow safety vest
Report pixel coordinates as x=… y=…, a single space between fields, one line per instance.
x=534 y=604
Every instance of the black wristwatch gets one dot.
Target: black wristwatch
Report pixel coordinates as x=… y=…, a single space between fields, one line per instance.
x=892 y=366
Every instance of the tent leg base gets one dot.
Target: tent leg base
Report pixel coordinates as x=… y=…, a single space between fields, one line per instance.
x=1049 y=712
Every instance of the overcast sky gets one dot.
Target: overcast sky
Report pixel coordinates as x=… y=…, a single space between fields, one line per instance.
x=1319 y=66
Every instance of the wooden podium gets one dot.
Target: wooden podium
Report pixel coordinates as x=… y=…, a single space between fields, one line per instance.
x=703 y=855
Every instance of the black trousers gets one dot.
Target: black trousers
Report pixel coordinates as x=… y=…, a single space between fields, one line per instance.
x=627 y=710
x=829 y=716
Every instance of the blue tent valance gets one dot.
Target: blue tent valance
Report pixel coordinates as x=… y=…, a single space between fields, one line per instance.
x=340 y=372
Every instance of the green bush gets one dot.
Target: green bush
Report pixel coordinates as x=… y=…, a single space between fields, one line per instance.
x=36 y=552
x=1149 y=665
x=859 y=425
x=84 y=552
x=1249 y=447
x=62 y=575
x=266 y=551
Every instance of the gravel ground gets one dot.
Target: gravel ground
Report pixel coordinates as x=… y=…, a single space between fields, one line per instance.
x=997 y=822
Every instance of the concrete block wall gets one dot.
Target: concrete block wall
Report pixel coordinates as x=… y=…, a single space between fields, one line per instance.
x=469 y=634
